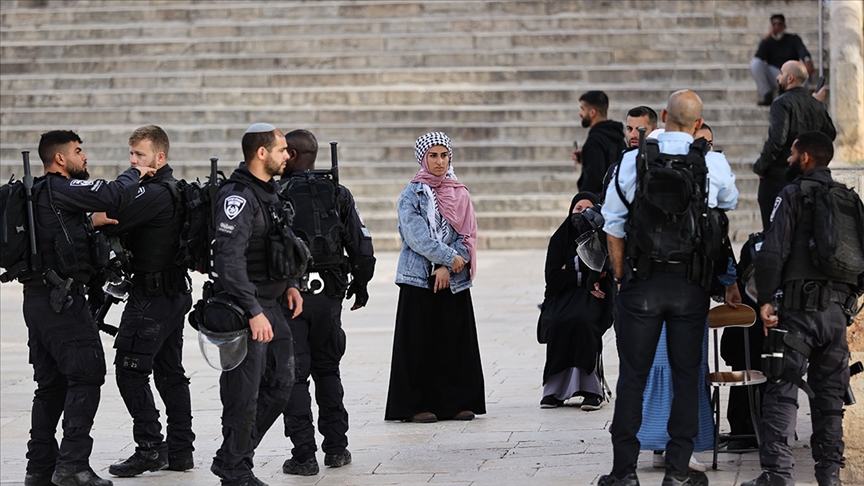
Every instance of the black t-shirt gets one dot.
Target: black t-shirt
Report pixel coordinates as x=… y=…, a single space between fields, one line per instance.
x=788 y=48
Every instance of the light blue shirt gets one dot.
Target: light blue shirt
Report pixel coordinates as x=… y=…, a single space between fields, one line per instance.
x=722 y=192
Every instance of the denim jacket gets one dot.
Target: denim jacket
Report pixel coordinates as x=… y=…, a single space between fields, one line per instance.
x=420 y=250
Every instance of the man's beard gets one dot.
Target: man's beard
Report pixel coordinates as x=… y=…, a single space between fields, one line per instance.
x=586 y=123
x=273 y=167
x=80 y=174
x=781 y=88
x=793 y=171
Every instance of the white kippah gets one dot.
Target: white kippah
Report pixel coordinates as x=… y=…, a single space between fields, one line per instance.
x=260 y=128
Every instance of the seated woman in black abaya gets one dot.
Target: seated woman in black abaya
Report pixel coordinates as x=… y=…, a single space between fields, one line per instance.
x=574 y=342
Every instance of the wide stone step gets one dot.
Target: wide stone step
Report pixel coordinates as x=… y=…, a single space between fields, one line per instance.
x=702 y=14
x=312 y=19
x=442 y=95
x=356 y=59
x=728 y=119
x=402 y=134
x=737 y=73
x=489 y=41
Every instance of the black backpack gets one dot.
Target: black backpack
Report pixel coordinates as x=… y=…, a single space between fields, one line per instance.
x=315 y=197
x=17 y=239
x=669 y=217
x=14 y=230
x=837 y=246
x=198 y=231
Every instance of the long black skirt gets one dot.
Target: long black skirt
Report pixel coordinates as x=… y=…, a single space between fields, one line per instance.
x=436 y=358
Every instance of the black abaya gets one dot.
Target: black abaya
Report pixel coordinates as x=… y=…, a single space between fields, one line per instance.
x=436 y=357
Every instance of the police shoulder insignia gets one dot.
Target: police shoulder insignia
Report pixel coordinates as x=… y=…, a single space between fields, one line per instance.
x=233 y=205
x=80 y=182
x=776 y=205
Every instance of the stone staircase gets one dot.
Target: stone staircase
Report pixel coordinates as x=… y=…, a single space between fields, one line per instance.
x=502 y=78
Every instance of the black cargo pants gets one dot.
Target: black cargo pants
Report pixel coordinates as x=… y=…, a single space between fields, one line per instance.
x=643 y=306
x=828 y=376
x=319 y=343
x=69 y=369
x=253 y=396
x=150 y=341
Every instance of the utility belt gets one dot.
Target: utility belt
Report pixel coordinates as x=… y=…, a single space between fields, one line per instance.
x=817 y=295
x=76 y=288
x=697 y=271
x=61 y=290
x=170 y=283
x=332 y=282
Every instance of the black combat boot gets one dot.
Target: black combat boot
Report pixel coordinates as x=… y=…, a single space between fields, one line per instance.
x=305 y=465
x=767 y=479
x=142 y=461
x=687 y=478
x=338 y=460
x=38 y=479
x=81 y=478
x=180 y=462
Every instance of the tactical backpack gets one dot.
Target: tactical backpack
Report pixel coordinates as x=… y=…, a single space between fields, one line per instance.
x=14 y=233
x=669 y=218
x=837 y=246
x=198 y=230
x=18 y=253
x=314 y=195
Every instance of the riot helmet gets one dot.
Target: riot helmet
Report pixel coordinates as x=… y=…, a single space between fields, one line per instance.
x=223 y=334
x=589 y=247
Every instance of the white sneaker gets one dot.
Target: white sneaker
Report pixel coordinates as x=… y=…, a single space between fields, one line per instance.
x=695 y=465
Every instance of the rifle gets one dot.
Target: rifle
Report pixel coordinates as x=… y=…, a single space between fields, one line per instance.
x=35 y=259
x=334 y=165
x=212 y=191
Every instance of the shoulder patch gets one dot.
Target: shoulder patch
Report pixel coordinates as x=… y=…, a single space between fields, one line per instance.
x=141 y=191
x=234 y=205
x=776 y=205
x=80 y=182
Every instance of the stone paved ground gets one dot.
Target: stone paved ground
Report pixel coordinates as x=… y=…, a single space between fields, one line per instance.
x=515 y=443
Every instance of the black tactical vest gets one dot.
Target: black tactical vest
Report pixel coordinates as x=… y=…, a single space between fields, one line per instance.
x=64 y=238
x=156 y=248
x=271 y=257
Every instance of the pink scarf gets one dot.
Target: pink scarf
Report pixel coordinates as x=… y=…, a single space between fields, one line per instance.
x=454 y=202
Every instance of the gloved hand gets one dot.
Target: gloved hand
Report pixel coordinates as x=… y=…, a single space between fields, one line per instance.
x=362 y=294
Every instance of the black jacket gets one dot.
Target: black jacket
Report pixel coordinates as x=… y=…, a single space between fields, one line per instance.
x=72 y=200
x=792 y=113
x=602 y=148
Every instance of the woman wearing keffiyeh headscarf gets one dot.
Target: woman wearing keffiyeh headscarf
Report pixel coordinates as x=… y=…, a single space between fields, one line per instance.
x=435 y=372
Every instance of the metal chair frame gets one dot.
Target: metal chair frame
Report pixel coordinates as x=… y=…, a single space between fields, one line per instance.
x=724 y=317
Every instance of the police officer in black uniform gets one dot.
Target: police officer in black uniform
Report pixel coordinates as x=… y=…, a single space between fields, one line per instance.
x=784 y=263
x=319 y=341
x=254 y=393
x=65 y=349
x=150 y=338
